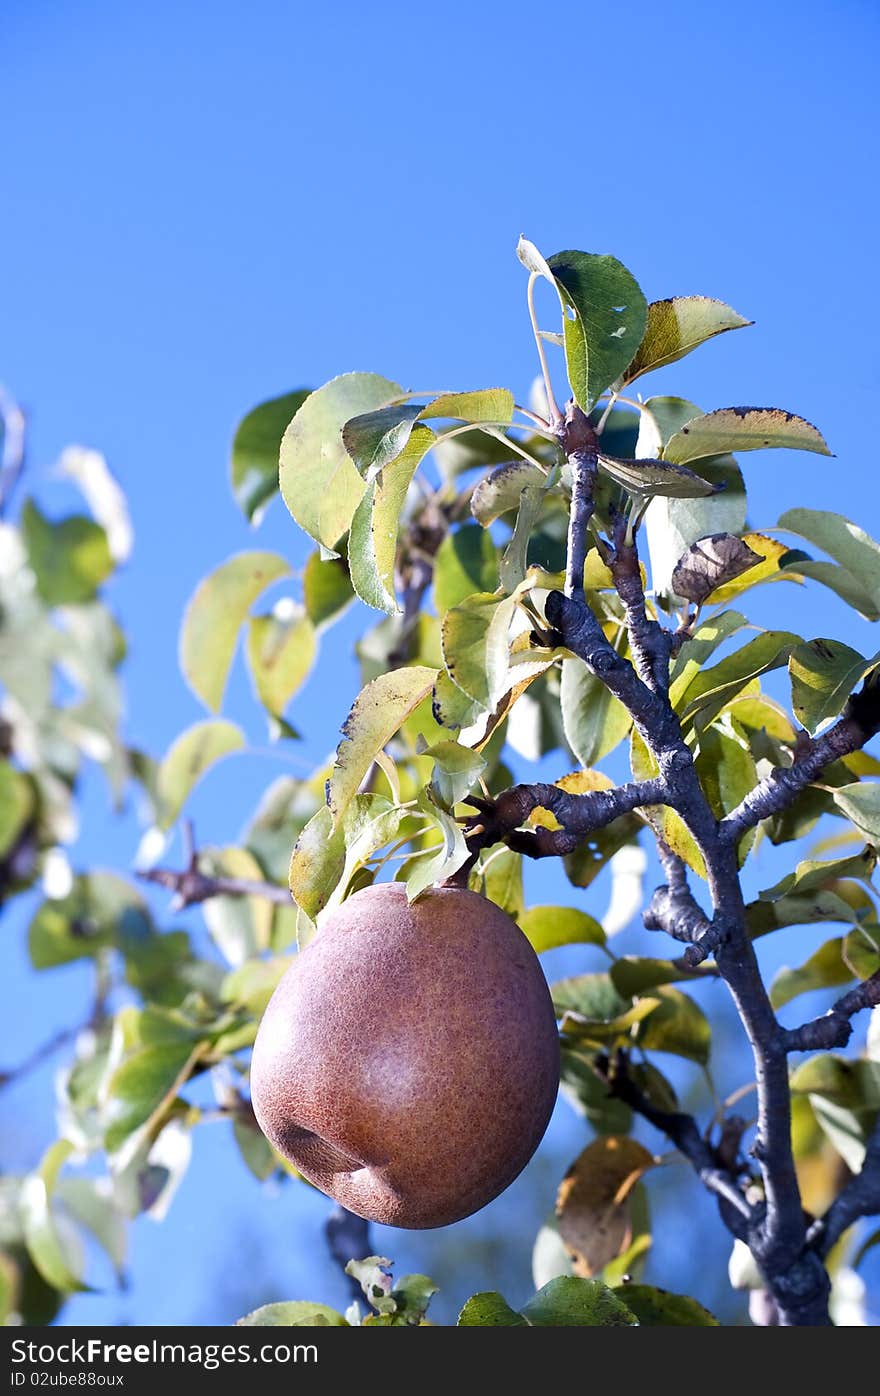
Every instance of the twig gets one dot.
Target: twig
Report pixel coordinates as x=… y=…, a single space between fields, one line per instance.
x=834 y=1028
x=674 y=909
x=500 y=820
x=682 y=1131
x=191 y=886
x=650 y=644
x=577 y=438
x=859 y=1198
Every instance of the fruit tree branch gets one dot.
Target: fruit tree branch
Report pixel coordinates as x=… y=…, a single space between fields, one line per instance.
x=859 y=1198
x=650 y=643
x=834 y=1028
x=500 y=820
x=191 y=886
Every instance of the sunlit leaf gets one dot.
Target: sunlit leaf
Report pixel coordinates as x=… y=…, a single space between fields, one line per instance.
x=742 y=429
x=372 y=541
x=476 y=647
x=502 y=490
x=374 y=439
x=214 y=616
x=327 y=589
x=489 y=1310
x=44 y=1240
x=240 y=926
x=281 y=649
x=187 y=760
x=466 y=563
x=70 y=559
x=648 y=478
x=546 y=927
x=825 y=969
x=319 y=482
x=572 y=1302
x=483 y=405
x=255 y=449
x=610 y=316
x=860 y=802
x=678 y=1025
x=295 y=1313
x=823 y=675
x=678 y=325
x=377 y=714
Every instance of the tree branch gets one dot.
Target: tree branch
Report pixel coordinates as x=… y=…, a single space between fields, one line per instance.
x=500 y=820
x=682 y=1131
x=860 y=1198
x=777 y=790
x=650 y=644
x=577 y=438
x=674 y=909
x=191 y=886
x=834 y=1029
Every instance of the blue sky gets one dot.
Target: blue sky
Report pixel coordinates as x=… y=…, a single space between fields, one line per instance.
x=206 y=204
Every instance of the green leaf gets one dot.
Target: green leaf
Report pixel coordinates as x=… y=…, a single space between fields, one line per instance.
x=502 y=490
x=319 y=483
x=255 y=449
x=215 y=614
x=99 y=909
x=16 y=805
x=296 y=1313
x=648 y=478
x=483 y=405
x=500 y=880
x=281 y=649
x=693 y=654
x=44 y=1242
x=802 y=910
x=375 y=439
x=378 y=712
x=372 y=542
x=589 y=1096
x=727 y=774
x=825 y=969
x=812 y=874
x=489 y=1310
x=187 y=760
x=466 y=562
x=255 y=1149
x=742 y=429
x=571 y=1302
x=253 y=984
x=823 y=675
x=546 y=927
x=610 y=319
x=90 y=1202
x=839 y=580
x=594 y=721
x=515 y=560
x=713 y=688
x=452 y=854
x=678 y=325
x=678 y=1025
x=657 y=1308
x=327 y=589
x=70 y=559
x=451 y=707
x=325 y=856
x=146 y=1083
x=456 y=771
x=860 y=802
x=240 y=926
x=636 y=974
x=476 y=652
x=590 y=995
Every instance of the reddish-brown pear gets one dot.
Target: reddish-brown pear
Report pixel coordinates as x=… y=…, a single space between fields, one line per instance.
x=408 y=1062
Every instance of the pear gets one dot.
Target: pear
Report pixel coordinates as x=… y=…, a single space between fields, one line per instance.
x=408 y=1061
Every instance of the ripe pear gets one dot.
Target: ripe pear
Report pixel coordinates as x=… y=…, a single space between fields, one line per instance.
x=408 y=1062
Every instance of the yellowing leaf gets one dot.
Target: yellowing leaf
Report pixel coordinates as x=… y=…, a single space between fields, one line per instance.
x=188 y=758
x=281 y=649
x=372 y=542
x=592 y=1207
x=742 y=429
x=823 y=675
x=378 y=713
x=214 y=616
x=678 y=325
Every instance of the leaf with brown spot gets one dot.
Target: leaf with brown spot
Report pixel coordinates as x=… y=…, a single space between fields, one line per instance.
x=743 y=429
x=678 y=325
x=593 y=1203
x=656 y=477
x=710 y=563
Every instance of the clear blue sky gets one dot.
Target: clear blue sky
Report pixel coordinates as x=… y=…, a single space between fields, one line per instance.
x=205 y=204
